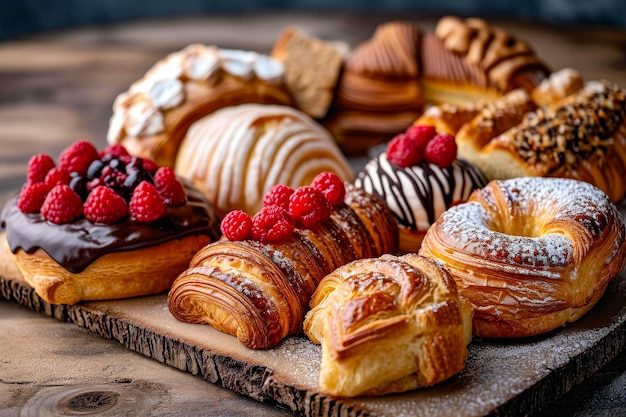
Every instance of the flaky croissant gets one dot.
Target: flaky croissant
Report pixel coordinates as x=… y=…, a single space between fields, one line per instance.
x=260 y=292
x=389 y=324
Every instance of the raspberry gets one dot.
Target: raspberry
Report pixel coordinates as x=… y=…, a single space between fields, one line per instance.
x=115 y=150
x=112 y=177
x=38 y=167
x=78 y=156
x=56 y=176
x=236 y=225
x=309 y=207
x=272 y=224
x=149 y=165
x=169 y=187
x=103 y=205
x=62 y=205
x=422 y=134
x=404 y=151
x=278 y=195
x=441 y=150
x=32 y=197
x=331 y=186
x=146 y=205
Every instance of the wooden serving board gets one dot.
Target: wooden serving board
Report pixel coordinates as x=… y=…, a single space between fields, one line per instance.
x=501 y=378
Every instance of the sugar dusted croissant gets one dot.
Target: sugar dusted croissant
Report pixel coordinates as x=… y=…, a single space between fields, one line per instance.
x=260 y=292
x=389 y=324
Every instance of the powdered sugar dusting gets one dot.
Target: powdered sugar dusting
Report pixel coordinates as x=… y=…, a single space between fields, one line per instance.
x=471 y=229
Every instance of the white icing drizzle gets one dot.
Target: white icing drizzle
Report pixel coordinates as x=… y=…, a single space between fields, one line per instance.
x=419 y=194
x=139 y=111
x=237 y=153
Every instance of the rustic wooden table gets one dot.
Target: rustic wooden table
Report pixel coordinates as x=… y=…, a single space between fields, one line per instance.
x=56 y=88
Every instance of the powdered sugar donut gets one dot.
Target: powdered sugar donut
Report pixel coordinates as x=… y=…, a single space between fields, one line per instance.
x=531 y=254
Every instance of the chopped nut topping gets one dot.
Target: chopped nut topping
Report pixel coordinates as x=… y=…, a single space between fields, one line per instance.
x=570 y=133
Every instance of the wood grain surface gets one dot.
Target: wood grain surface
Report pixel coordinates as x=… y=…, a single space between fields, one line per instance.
x=58 y=87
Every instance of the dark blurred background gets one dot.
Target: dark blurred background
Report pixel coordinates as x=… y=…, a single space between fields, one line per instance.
x=19 y=17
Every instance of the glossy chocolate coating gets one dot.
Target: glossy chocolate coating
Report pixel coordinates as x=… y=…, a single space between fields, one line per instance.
x=77 y=244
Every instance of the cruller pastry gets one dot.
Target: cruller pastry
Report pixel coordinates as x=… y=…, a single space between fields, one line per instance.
x=388 y=324
x=531 y=254
x=259 y=291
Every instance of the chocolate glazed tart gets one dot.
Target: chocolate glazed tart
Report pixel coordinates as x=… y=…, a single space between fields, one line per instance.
x=76 y=245
x=86 y=261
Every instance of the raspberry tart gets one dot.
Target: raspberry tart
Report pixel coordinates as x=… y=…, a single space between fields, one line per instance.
x=104 y=225
x=419 y=176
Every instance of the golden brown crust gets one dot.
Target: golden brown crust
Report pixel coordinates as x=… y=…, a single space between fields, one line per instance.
x=493 y=119
x=388 y=324
x=506 y=62
x=260 y=292
x=557 y=86
x=379 y=92
x=531 y=254
x=579 y=137
x=116 y=275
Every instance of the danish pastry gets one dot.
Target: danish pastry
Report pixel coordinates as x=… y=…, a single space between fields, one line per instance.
x=582 y=136
x=389 y=324
x=85 y=241
x=153 y=116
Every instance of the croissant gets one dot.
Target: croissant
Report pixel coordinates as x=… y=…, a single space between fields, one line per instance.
x=387 y=325
x=260 y=292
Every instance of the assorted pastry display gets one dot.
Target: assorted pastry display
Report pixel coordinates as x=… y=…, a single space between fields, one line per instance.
x=104 y=225
x=257 y=281
x=388 y=325
x=531 y=254
x=486 y=209
x=389 y=80
x=419 y=176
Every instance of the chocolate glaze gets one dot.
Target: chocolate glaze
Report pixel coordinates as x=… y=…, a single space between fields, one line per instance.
x=76 y=245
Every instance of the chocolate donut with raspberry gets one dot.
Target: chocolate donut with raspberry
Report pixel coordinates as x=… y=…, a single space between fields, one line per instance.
x=104 y=225
x=419 y=176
